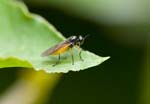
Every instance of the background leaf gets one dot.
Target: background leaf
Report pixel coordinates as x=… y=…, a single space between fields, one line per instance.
x=24 y=36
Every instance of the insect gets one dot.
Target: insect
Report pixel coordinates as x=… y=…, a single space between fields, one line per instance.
x=64 y=46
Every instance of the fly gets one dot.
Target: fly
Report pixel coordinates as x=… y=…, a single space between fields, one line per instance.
x=64 y=46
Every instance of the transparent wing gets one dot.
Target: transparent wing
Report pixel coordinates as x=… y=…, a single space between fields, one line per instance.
x=55 y=48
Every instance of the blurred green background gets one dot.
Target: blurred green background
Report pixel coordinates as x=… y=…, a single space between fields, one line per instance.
x=119 y=29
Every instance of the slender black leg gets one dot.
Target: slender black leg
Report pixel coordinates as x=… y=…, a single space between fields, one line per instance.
x=72 y=57
x=57 y=61
x=80 y=55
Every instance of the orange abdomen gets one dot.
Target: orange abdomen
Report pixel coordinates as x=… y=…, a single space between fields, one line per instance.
x=61 y=50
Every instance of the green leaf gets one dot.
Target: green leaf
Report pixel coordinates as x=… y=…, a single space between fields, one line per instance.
x=24 y=36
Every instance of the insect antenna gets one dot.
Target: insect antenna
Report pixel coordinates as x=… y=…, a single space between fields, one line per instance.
x=86 y=36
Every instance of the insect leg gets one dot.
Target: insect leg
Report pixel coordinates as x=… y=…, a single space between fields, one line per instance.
x=80 y=55
x=80 y=51
x=72 y=57
x=57 y=61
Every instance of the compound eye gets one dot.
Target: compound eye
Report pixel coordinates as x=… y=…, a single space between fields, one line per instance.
x=80 y=37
